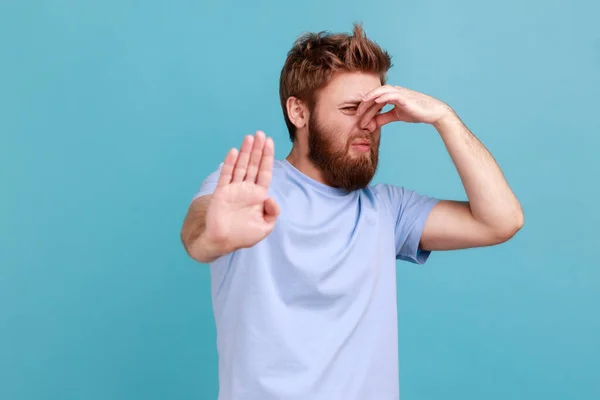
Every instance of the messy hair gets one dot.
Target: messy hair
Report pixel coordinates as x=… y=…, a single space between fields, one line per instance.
x=315 y=57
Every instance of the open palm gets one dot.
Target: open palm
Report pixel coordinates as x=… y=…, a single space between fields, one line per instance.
x=240 y=213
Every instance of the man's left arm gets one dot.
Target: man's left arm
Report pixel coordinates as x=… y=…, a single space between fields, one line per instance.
x=492 y=214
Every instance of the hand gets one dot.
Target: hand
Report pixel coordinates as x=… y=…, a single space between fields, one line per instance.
x=409 y=106
x=240 y=213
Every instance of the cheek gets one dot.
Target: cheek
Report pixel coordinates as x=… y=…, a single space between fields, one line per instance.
x=342 y=134
x=346 y=126
x=338 y=128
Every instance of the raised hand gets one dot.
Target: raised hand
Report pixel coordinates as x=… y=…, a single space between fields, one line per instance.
x=240 y=213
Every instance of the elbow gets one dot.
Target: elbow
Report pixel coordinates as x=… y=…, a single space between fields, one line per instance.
x=202 y=249
x=196 y=253
x=192 y=249
x=509 y=226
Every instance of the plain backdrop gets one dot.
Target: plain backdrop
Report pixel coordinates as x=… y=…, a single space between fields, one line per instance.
x=113 y=112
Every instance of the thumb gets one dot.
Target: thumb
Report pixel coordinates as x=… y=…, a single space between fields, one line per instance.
x=386 y=117
x=271 y=210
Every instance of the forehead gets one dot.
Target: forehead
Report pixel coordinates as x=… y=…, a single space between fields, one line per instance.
x=349 y=86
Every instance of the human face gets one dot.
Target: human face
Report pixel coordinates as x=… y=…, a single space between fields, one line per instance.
x=346 y=153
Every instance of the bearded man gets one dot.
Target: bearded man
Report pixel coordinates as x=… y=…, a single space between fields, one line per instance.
x=302 y=250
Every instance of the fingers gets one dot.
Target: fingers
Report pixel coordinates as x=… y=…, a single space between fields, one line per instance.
x=395 y=97
x=376 y=100
x=363 y=107
x=369 y=98
x=378 y=91
x=255 y=157
x=243 y=158
x=386 y=118
x=271 y=210
x=227 y=169
x=370 y=114
x=265 y=171
x=252 y=163
x=377 y=95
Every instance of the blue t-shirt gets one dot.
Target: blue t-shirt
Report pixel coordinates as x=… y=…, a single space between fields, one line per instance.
x=310 y=311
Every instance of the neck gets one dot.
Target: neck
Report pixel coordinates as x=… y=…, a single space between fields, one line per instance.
x=298 y=157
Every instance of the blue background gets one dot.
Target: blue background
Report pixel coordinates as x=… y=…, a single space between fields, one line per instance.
x=113 y=112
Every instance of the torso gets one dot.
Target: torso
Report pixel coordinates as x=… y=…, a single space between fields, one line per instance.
x=310 y=311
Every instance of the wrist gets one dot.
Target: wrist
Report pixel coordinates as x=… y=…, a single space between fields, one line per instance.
x=448 y=122
x=210 y=247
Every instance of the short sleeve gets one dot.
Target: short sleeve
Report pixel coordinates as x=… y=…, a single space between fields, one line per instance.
x=209 y=184
x=409 y=211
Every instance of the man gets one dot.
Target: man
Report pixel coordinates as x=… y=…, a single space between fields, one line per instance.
x=303 y=251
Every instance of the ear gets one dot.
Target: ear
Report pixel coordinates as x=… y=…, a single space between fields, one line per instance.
x=297 y=112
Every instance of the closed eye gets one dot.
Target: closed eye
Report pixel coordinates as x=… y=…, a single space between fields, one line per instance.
x=350 y=108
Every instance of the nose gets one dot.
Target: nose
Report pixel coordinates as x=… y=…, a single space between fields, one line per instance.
x=369 y=126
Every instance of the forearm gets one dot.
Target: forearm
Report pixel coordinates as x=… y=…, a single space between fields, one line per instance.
x=491 y=200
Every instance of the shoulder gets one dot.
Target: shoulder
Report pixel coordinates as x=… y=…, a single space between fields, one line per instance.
x=387 y=194
x=279 y=166
x=282 y=167
x=399 y=198
x=283 y=175
x=386 y=191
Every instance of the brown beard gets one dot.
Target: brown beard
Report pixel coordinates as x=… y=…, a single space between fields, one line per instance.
x=338 y=167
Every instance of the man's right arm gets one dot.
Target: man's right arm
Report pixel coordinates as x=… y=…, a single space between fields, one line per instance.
x=196 y=244
x=235 y=198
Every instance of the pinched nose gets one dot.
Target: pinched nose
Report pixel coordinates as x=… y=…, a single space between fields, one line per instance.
x=370 y=126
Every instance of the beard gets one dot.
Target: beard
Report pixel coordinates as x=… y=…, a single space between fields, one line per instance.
x=338 y=166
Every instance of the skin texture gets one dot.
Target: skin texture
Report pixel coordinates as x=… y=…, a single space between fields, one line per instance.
x=337 y=143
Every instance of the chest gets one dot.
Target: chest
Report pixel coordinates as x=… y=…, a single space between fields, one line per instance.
x=320 y=253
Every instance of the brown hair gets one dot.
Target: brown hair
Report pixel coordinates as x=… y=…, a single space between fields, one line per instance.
x=314 y=58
